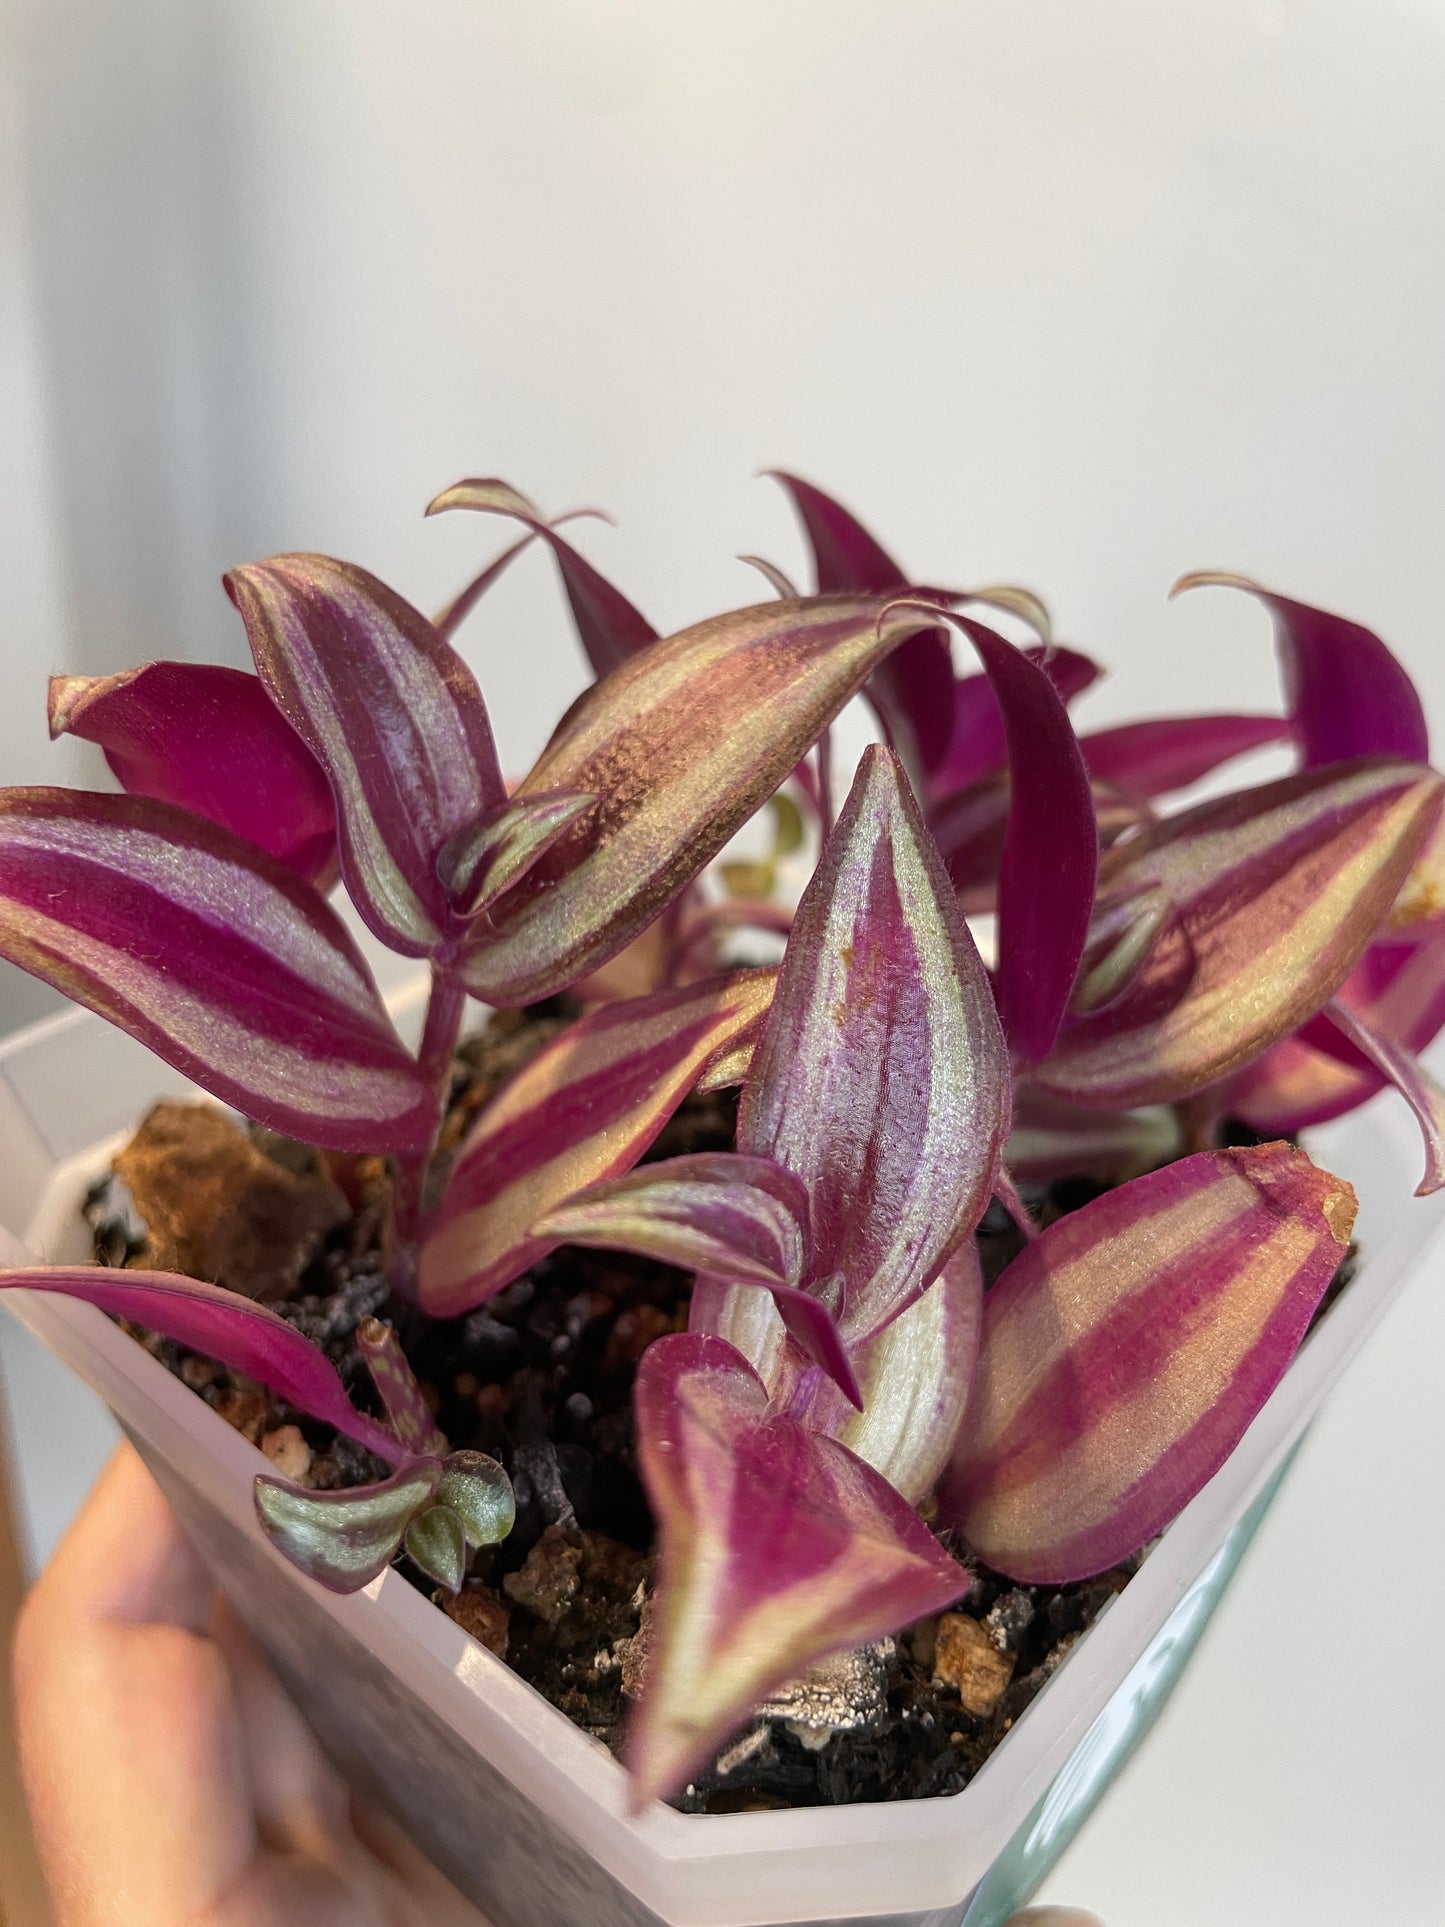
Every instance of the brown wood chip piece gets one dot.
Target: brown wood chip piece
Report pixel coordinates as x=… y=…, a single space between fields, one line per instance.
x=217 y=1208
x=966 y=1659
x=481 y=1613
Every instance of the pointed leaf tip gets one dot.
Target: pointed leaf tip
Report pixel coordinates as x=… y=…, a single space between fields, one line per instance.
x=776 y=1549
x=394 y=717
x=681 y=744
x=1348 y=694
x=881 y=1079
x=222 y=1325
x=216 y=955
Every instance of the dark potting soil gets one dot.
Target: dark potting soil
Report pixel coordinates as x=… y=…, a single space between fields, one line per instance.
x=541 y=1378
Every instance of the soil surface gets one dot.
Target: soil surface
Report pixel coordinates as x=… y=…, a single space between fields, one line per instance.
x=541 y=1379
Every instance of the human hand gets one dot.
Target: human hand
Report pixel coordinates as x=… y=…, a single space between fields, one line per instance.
x=171 y=1781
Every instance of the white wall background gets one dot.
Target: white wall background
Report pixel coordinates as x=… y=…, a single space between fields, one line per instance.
x=1084 y=295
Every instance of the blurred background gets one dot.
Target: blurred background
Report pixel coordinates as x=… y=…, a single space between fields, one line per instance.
x=1081 y=296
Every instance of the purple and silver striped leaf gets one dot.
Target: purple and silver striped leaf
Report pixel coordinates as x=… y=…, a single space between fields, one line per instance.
x=881 y=1079
x=481 y=863
x=913 y=691
x=776 y=1548
x=343 y=1540
x=215 y=955
x=394 y=717
x=1309 y=1078
x=1126 y=1350
x=235 y=1331
x=1275 y=893
x=585 y=1108
x=680 y=745
x=914 y=1376
x=978 y=746
x=210 y=740
x=1152 y=758
x=610 y=627
x=720 y=1211
x=407 y=1411
x=1347 y=695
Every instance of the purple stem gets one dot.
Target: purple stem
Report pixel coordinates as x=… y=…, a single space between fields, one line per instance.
x=438 y=1047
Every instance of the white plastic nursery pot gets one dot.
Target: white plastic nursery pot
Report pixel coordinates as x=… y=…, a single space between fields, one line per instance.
x=524 y=1812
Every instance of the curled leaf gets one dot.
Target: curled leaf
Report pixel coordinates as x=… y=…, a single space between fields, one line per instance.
x=1126 y=1350
x=210 y=740
x=610 y=627
x=681 y=745
x=881 y=1078
x=344 y=1539
x=1422 y=1092
x=488 y=857
x=394 y=717
x=743 y=1217
x=1308 y=1078
x=1348 y=695
x=236 y=1331
x=215 y=955
x=1275 y=893
x=585 y=1108
x=776 y=1548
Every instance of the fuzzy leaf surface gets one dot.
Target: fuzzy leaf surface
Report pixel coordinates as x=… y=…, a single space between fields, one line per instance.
x=1126 y=1350
x=881 y=1079
x=394 y=717
x=208 y=739
x=585 y=1108
x=610 y=627
x=215 y=955
x=1276 y=892
x=236 y=1331
x=344 y=1539
x=681 y=745
x=777 y=1547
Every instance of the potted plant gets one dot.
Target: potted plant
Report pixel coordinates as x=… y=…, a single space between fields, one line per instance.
x=873 y=1483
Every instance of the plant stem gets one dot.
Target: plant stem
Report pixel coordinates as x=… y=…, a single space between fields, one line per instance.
x=434 y=1059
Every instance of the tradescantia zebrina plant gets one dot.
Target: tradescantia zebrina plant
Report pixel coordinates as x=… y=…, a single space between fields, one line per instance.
x=1273 y=955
